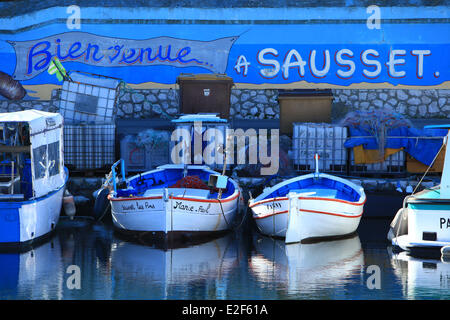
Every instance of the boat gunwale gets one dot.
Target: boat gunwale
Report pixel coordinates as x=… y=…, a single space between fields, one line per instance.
x=231 y=197
x=268 y=200
x=356 y=188
x=228 y=199
x=5 y=204
x=358 y=203
x=429 y=201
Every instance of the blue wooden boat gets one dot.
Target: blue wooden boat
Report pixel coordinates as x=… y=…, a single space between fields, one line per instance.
x=32 y=175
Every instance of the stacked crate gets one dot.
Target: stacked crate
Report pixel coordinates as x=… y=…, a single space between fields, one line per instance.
x=328 y=140
x=87 y=104
x=325 y=139
x=89 y=146
x=140 y=157
x=208 y=121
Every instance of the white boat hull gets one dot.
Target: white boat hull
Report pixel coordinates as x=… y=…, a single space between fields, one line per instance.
x=271 y=216
x=24 y=222
x=154 y=214
x=426 y=213
x=316 y=217
x=426 y=228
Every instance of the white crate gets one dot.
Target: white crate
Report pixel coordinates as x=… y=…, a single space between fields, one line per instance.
x=89 y=146
x=88 y=99
x=212 y=142
x=325 y=139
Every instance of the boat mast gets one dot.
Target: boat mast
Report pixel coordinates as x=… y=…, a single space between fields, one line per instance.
x=316 y=173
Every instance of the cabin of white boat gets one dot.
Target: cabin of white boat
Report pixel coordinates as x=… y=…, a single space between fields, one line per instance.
x=31 y=155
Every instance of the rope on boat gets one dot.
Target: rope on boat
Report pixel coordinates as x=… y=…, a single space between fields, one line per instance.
x=403 y=214
x=192 y=182
x=429 y=167
x=229 y=226
x=223 y=214
x=104 y=212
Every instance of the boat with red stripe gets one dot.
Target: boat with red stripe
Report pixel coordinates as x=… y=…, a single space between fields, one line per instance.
x=315 y=205
x=174 y=201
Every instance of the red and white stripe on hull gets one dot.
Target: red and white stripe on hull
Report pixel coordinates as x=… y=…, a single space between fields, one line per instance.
x=319 y=217
x=271 y=215
x=175 y=214
x=323 y=217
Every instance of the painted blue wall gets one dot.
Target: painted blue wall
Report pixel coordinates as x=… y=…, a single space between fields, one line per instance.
x=264 y=39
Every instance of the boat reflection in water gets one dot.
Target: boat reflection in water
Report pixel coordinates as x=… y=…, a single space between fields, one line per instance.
x=302 y=268
x=422 y=278
x=34 y=274
x=199 y=271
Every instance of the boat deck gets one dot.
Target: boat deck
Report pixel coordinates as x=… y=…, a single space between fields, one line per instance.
x=153 y=183
x=179 y=192
x=321 y=193
x=323 y=187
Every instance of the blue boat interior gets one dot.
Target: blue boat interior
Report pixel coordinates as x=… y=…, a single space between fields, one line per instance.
x=25 y=182
x=319 y=187
x=168 y=178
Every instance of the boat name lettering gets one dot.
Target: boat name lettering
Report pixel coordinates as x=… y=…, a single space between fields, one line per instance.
x=273 y=205
x=200 y=209
x=145 y=205
x=139 y=206
x=128 y=207
x=445 y=223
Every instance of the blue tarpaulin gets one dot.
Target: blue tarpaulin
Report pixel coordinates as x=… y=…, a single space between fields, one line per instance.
x=418 y=143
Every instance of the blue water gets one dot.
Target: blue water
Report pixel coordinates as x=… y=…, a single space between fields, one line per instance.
x=240 y=265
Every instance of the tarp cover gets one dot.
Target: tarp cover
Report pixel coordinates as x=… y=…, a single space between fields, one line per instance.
x=201 y=117
x=416 y=142
x=37 y=120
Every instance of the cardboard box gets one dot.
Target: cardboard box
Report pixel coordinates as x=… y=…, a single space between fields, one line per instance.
x=303 y=108
x=415 y=166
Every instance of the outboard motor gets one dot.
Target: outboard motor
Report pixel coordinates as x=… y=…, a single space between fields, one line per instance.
x=101 y=204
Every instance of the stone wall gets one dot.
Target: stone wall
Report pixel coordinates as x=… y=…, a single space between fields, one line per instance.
x=43 y=105
x=147 y=103
x=413 y=104
x=263 y=104
x=254 y=104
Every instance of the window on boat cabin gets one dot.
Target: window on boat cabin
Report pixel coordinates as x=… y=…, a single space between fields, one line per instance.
x=47 y=157
x=40 y=161
x=53 y=159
